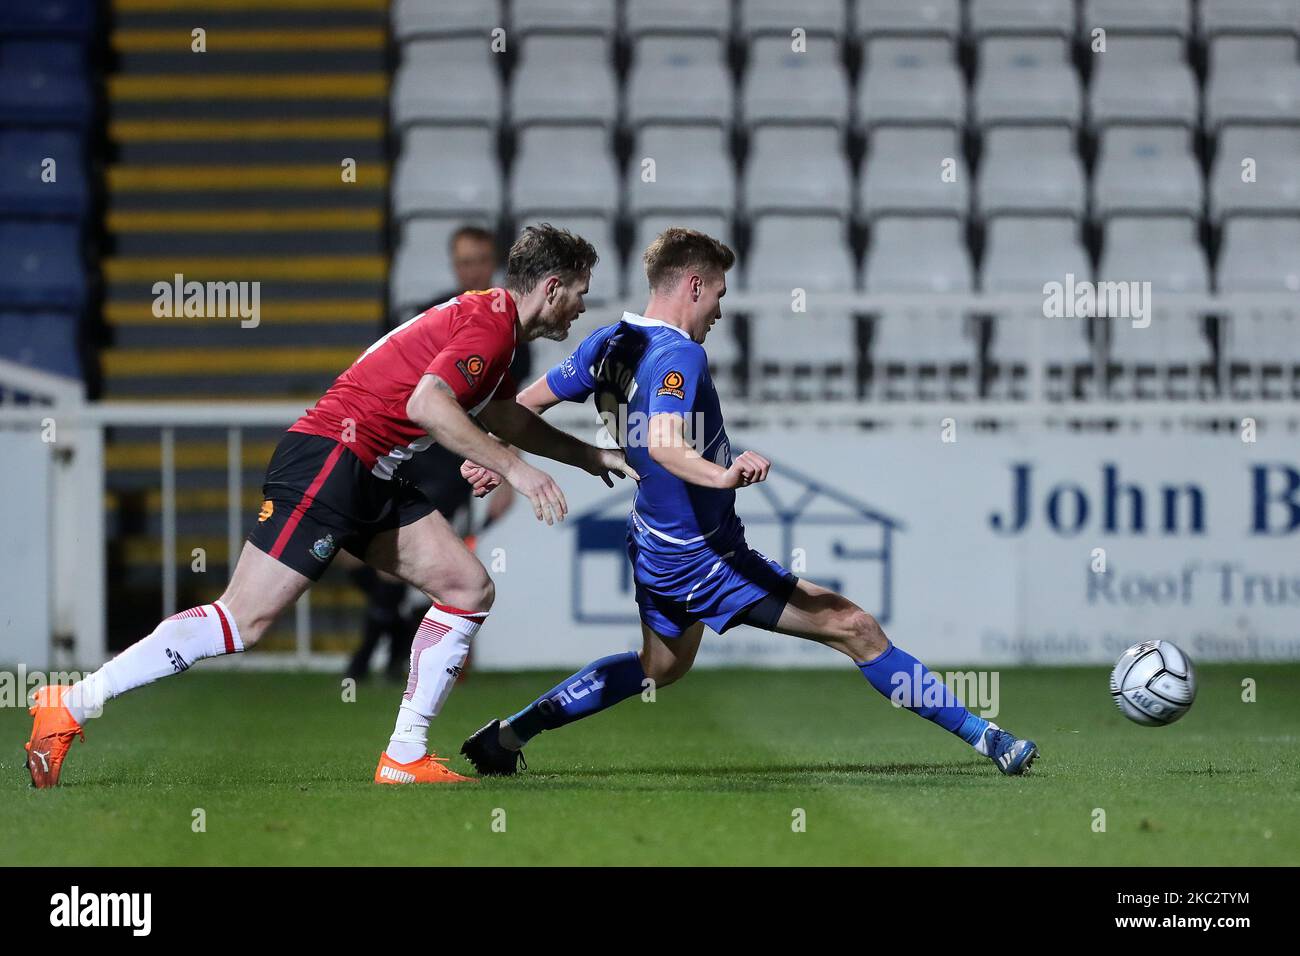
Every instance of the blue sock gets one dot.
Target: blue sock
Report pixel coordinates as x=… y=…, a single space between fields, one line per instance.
x=909 y=683
x=599 y=685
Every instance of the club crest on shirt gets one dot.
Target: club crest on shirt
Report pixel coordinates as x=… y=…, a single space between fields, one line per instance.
x=672 y=385
x=268 y=509
x=324 y=548
x=471 y=368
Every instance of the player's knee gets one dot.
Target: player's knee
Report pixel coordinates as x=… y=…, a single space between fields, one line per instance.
x=664 y=669
x=473 y=592
x=864 y=638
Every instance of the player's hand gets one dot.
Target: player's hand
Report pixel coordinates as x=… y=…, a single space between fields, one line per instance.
x=539 y=488
x=749 y=469
x=610 y=461
x=482 y=480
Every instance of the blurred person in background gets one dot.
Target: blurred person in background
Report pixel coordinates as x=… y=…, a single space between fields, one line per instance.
x=394 y=610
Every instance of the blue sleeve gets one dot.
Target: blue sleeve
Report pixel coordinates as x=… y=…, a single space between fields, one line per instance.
x=676 y=376
x=571 y=380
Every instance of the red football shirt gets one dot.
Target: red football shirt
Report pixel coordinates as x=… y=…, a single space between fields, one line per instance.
x=467 y=341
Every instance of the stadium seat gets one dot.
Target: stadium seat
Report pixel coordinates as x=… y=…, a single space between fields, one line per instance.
x=563 y=168
x=1275 y=186
x=448 y=82
x=41 y=266
x=23 y=191
x=781 y=86
x=447 y=172
x=1149 y=17
x=1174 y=353
x=691 y=17
x=903 y=171
x=1025 y=81
x=423 y=19
x=564 y=79
x=421 y=268
x=911 y=80
x=564 y=16
x=874 y=18
x=693 y=170
x=1252 y=79
x=42 y=340
x=76 y=18
x=1147 y=169
x=1143 y=79
x=1024 y=254
x=679 y=80
x=917 y=254
x=1218 y=17
x=60 y=55
x=1260 y=254
x=34 y=92
x=797 y=169
x=1030 y=169
x=809 y=355
x=1021 y=17
x=823 y=17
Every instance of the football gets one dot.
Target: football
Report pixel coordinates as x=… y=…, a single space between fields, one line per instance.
x=1153 y=683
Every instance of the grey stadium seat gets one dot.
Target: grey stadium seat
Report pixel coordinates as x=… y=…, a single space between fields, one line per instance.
x=903 y=171
x=909 y=17
x=447 y=81
x=1026 y=80
x=1023 y=254
x=1030 y=169
x=1164 y=250
x=448 y=171
x=1249 y=16
x=782 y=86
x=917 y=254
x=1252 y=79
x=1276 y=186
x=1021 y=16
x=563 y=168
x=564 y=79
x=803 y=252
x=911 y=80
x=754 y=17
x=679 y=80
x=421 y=266
x=564 y=16
x=693 y=171
x=446 y=18
x=1142 y=79
x=797 y=169
x=693 y=17
x=1260 y=254
x=1147 y=169
x=1149 y=16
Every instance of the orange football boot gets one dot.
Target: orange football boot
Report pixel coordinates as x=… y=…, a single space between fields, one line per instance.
x=428 y=769
x=52 y=733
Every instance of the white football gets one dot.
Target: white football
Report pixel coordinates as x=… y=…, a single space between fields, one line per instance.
x=1153 y=683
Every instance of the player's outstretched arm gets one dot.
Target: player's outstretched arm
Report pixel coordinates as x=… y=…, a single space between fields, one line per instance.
x=434 y=407
x=516 y=423
x=672 y=451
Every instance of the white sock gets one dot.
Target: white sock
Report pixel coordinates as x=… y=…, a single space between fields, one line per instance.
x=437 y=655
x=980 y=746
x=175 y=644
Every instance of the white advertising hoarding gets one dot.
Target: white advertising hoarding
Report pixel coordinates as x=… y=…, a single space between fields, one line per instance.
x=991 y=549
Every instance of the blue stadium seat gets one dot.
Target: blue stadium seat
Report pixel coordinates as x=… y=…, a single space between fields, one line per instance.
x=22 y=191
x=40 y=266
x=42 y=340
x=39 y=95
x=42 y=55
x=75 y=18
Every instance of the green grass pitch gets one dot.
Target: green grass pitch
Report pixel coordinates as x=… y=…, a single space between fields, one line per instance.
x=712 y=772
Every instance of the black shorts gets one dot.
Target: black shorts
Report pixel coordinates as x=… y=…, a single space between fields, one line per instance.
x=319 y=497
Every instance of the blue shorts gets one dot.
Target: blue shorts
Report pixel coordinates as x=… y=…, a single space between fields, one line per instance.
x=721 y=586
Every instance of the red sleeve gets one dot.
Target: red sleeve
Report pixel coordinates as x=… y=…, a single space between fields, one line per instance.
x=473 y=360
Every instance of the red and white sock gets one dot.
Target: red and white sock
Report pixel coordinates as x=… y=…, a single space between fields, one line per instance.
x=437 y=655
x=175 y=644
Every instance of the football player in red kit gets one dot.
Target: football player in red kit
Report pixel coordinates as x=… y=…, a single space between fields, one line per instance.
x=335 y=481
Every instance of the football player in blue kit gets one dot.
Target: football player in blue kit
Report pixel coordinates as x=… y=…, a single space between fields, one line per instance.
x=649 y=376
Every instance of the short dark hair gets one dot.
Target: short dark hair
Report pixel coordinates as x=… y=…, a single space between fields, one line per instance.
x=477 y=233
x=544 y=250
x=676 y=251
